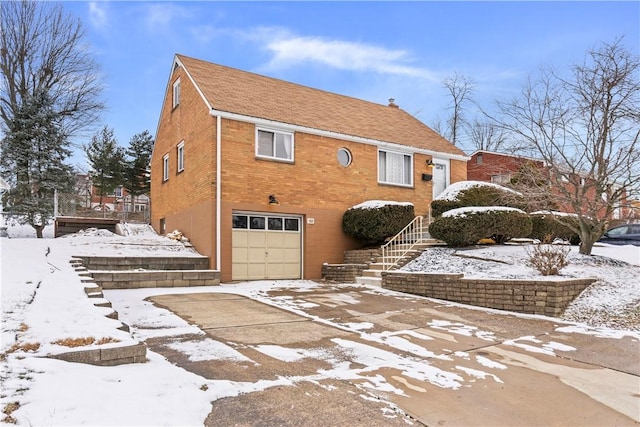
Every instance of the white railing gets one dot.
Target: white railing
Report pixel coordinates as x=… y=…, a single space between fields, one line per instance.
x=403 y=242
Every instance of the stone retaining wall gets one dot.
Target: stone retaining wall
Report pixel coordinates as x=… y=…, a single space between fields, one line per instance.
x=361 y=256
x=136 y=353
x=344 y=273
x=155 y=279
x=548 y=297
x=146 y=263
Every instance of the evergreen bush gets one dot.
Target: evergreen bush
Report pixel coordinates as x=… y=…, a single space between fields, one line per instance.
x=546 y=228
x=482 y=194
x=465 y=226
x=372 y=225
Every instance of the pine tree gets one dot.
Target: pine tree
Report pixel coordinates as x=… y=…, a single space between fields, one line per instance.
x=34 y=151
x=106 y=160
x=136 y=175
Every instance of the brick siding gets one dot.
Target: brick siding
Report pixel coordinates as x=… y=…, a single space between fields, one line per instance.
x=315 y=186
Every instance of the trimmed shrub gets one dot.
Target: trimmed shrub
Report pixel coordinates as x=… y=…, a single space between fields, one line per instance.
x=478 y=194
x=465 y=226
x=546 y=229
x=372 y=225
x=438 y=207
x=455 y=231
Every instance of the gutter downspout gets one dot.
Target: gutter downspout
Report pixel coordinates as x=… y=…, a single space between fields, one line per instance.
x=218 y=188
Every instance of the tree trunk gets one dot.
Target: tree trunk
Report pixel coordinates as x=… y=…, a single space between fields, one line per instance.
x=38 y=229
x=586 y=243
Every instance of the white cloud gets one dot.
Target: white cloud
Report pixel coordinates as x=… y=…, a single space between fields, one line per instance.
x=98 y=14
x=160 y=15
x=289 y=50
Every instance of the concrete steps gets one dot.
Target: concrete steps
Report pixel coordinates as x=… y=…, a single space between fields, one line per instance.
x=373 y=275
x=371 y=281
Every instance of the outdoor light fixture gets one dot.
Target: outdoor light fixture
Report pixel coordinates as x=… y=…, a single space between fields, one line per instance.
x=429 y=163
x=273 y=200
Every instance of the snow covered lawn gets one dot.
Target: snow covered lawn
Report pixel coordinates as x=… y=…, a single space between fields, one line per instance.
x=43 y=304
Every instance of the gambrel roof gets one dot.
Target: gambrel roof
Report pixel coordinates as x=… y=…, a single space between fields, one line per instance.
x=239 y=92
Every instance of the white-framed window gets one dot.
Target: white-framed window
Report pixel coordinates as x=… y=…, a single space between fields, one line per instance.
x=165 y=167
x=181 y=156
x=395 y=168
x=176 y=93
x=275 y=145
x=118 y=192
x=344 y=157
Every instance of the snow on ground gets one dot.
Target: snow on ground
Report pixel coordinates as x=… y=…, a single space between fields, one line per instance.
x=43 y=302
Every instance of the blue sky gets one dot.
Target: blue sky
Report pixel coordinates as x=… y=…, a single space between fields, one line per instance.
x=368 y=50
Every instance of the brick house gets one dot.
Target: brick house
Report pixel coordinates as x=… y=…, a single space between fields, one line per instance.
x=117 y=201
x=500 y=168
x=257 y=172
x=497 y=168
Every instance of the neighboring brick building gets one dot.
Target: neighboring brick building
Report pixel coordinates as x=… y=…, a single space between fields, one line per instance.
x=500 y=168
x=497 y=168
x=118 y=201
x=257 y=172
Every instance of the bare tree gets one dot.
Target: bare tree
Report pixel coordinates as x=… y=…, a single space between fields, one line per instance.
x=461 y=89
x=42 y=49
x=585 y=127
x=486 y=135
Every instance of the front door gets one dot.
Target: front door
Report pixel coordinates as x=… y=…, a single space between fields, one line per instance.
x=439 y=178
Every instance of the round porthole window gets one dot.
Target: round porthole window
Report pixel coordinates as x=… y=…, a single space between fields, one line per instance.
x=344 y=157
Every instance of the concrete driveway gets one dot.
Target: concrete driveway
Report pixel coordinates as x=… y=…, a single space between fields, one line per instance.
x=359 y=356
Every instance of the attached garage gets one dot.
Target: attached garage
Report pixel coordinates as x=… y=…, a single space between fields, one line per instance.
x=266 y=246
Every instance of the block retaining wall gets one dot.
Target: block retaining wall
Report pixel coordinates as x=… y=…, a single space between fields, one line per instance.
x=343 y=273
x=112 y=356
x=155 y=279
x=361 y=256
x=146 y=263
x=548 y=297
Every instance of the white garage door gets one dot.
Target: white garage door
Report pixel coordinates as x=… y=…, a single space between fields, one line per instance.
x=266 y=247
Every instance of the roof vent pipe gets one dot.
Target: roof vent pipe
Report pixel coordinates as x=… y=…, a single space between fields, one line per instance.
x=392 y=103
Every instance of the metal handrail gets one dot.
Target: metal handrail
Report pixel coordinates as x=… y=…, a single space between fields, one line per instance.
x=403 y=242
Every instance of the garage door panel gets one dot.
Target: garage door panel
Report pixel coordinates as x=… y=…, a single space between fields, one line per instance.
x=291 y=270
x=291 y=255
x=257 y=255
x=271 y=253
x=291 y=240
x=275 y=239
x=275 y=271
x=240 y=255
x=256 y=271
x=239 y=238
x=240 y=271
x=257 y=239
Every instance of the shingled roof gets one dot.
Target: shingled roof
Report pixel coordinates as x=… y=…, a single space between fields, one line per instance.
x=234 y=91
